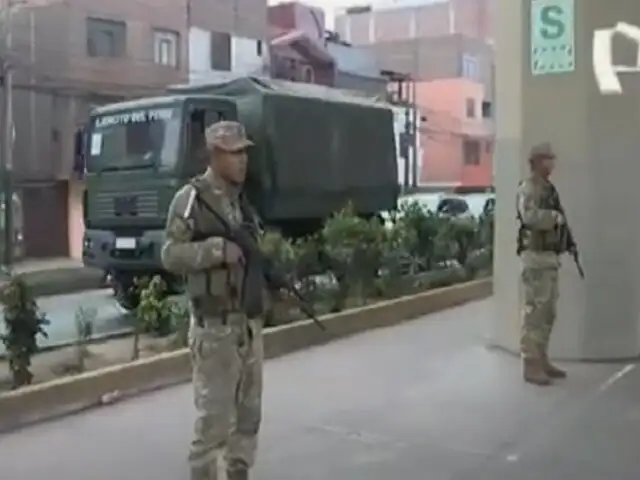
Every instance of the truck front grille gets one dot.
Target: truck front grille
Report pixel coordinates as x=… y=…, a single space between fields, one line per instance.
x=132 y=204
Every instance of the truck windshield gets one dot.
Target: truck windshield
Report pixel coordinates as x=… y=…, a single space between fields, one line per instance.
x=135 y=139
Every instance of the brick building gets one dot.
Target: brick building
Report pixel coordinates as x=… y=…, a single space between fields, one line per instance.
x=74 y=54
x=429 y=39
x=447 y=47
x=458 y=134
x=303 y=50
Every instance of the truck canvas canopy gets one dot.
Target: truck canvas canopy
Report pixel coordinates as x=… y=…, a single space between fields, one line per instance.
x=317 y=148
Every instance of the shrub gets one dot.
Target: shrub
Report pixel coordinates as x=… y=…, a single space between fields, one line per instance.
x=424 y=227
x=155 y=310
x=457 y=238
x=355 y=248
x=155 y=313
x=282 y=254
x=416 y=250
x=23 y=323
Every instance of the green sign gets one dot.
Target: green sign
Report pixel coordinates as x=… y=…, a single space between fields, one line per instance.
x=552 y=36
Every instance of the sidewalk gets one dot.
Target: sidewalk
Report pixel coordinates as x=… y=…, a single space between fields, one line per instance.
x=421 y=401
x=57 y=276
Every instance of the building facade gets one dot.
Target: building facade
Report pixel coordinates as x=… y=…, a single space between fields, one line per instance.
x=303 y=50
x=446 y=46
x=457 y=134
x=403 y=20
x=428 y=39
x=356 y=67
x=73 y=55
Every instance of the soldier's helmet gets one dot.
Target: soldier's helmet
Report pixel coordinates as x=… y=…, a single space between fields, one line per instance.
x=541 y=150
x=228 y=136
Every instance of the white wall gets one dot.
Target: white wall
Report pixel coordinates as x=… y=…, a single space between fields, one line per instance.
x=248 y=56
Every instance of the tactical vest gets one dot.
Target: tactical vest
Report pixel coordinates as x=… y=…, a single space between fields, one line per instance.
x=542 y=240
x=218 y=286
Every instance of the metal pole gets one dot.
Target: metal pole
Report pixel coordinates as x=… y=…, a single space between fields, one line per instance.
x=6 y=138
x=414 y=135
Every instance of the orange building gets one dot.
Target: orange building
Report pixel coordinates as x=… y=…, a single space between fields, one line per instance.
x=457 y=133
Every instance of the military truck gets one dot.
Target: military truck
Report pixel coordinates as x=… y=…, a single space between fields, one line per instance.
x=316 y=149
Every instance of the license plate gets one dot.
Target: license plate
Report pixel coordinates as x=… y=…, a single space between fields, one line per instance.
x=126 y=243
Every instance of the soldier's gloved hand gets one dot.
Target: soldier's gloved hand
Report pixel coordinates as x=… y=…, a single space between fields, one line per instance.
x=232 y=254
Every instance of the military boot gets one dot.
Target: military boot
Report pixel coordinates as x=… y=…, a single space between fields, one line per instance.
x=204 y=473
x=534 y=373
x=237 y=470
x=551 y=370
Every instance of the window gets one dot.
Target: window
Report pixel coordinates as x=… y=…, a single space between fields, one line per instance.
x=106 y=38
x=471 y=108
x=307 y=74
x=259 y=48
x=470 y=68
x=487 y=109
x=471 y=152
x=135 y=139
x=165 y=47
x=221 y=51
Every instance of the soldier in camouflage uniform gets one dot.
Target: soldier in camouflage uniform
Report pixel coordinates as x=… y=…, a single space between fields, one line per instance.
x=541 y=241
x=226 y=346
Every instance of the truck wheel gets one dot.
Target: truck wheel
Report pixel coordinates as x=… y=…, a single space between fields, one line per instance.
x=175 y=285
x=126 y=297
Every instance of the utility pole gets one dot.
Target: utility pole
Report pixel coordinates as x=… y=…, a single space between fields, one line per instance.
x=6 y=136
x=413 y=101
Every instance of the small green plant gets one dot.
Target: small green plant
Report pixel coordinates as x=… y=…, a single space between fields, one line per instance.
x=309 y=267
x=461 y=236
x=156 y=309
x=398 y=264
x=278 y=250
x=154 y=313
x=23 y=323
x=424 y=227
x=355 y=247
x=85 y=319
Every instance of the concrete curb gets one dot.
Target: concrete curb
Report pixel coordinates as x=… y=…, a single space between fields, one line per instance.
x=63 y=280
x=72 y=394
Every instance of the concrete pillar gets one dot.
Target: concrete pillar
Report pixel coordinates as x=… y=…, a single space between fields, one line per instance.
x=595 y=130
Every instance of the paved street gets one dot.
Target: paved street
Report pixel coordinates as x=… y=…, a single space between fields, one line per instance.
x=421 y=401
x=61 y=311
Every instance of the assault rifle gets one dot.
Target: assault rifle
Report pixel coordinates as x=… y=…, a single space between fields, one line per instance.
x=570 y=243
x=258 y=269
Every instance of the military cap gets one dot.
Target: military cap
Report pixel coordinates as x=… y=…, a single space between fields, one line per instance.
x=542 y=150
x=227 y=135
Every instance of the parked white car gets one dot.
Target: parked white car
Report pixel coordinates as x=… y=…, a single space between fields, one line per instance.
x=470 y=204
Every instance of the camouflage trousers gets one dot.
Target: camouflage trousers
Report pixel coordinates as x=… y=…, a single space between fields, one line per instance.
x=540 y=288
x=227 y=379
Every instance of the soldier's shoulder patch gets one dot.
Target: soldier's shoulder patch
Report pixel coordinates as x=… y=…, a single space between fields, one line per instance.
x=183 y=201
x=526 y=186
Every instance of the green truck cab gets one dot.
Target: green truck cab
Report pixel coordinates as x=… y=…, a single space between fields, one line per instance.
x=316 y=149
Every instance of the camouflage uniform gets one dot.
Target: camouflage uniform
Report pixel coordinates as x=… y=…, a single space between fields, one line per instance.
x=540 y=243
x=226 y=347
